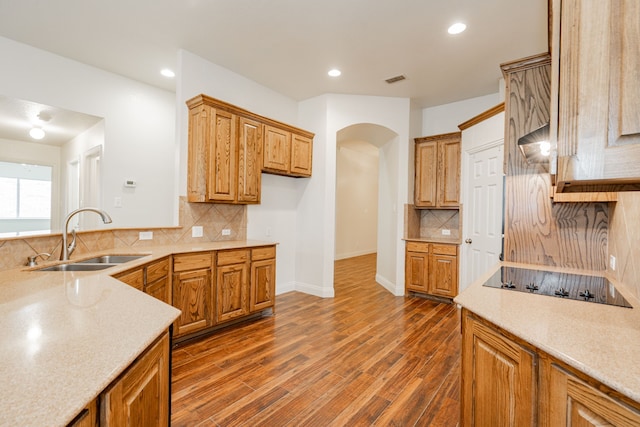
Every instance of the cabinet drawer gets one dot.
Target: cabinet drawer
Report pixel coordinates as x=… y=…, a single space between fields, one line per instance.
x=418 y=247
x=233 y=257
x=186 y=262
x=258 y=254
x=157 y=270
x=445 y=249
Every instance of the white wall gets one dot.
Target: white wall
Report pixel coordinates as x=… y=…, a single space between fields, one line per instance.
x=139 y=126
x=356 y=199
x=316 y=210
x=446 y=118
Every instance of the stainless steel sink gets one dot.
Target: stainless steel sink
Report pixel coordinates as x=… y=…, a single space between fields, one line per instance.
x=110 y=259
x=93 y=264
x=77 y=267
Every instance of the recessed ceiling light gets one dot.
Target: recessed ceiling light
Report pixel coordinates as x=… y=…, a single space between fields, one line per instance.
x=457 y=28
x=36 y=133
x=167 y=73
x=334 y=72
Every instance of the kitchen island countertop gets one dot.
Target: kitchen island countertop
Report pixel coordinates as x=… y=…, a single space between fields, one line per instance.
x=600 y=340
x=66 y=336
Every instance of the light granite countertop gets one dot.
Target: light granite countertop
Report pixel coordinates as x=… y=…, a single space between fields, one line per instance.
x=65 y=336
x=602 y=341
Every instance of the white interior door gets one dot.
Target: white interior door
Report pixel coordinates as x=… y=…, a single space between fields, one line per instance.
x=482 y=228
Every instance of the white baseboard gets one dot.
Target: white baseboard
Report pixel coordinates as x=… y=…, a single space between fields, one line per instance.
x=388 y=285
x=338 y=257
x=315 y=290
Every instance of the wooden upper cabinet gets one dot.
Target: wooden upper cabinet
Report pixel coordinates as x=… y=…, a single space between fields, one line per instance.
x=287 y=152
x=437 y=171
x=229 y=148
x=596 y=121
x=249 y=160
x=301 y=155
x=277 y=150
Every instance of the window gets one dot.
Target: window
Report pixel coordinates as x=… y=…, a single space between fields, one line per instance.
x=25 y=191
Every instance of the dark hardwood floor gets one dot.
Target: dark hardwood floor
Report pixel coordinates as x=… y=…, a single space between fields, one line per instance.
x=362 y=358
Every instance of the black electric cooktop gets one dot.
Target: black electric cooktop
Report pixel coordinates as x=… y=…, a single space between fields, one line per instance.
x=558 y=285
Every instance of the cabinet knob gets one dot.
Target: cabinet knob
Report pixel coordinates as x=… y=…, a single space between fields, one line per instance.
x=469 y=241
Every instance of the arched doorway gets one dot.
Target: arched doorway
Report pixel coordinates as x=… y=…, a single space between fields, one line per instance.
x=366 y=211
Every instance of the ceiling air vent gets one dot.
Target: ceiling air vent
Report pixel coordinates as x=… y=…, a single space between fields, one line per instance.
x=395 y=79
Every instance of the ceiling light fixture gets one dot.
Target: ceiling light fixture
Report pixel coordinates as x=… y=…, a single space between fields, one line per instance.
x=457 y=28
x=167 y=73
x=36 y=133
x=334 y=72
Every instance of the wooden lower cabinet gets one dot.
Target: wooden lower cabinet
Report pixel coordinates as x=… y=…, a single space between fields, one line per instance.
x=499 y=386
x=232 y=285
x=263 y=279
x=575 y=403
x=87 y=418
x=157 y=279
x=508 y=382
x=133 y=277
x=431 y=268
x=192 y=292
x=140 y=396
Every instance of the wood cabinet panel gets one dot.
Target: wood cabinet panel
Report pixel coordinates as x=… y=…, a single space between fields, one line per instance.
x=232 y=289
x=263 y=284
x=437 y=171
x=185 y=262
x=426 y=174
x=499 y=385
x=192 y=294
x=133 y=277
x=417 y=271
x=249 y=160
x=277 y=150
x=301 y=155
x=598 y=125
x=233 y=257
x=444 y=275
x=157 y=270
x=263 y=253
x=160 y=289
x=140 y=397
x=87 y=418
x=576 y=403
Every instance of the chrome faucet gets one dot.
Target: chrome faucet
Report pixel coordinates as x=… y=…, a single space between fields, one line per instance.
x=67 y=249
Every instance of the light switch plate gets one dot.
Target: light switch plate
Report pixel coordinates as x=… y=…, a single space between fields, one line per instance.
x=446 y=232
x=146 y=235
x=226 y=232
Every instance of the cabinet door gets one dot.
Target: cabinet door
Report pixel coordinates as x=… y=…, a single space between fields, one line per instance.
x=133 y=278
x=140 y=397
x=577 y=404
x=277 y=150
x=263 y=284
x=417 y=271
x=444 y=275
x=499 y=385
x=222 y=157
x=160 y=289
x=426 y=174
x=192 y=295
x=249 y=160
x=598 y=121
x=87 y=418
x=301 y=155
x=449 y=179
x=232 y=289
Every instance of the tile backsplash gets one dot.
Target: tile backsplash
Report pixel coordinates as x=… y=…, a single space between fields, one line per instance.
x=212 y=217
x=429 y=223
x=624 y=239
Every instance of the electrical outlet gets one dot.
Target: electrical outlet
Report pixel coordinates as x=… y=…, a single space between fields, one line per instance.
x=267 y=232
x=146 y=235
x=446 y=232
x=226 y=232
x=196 y=231
x=612 y=262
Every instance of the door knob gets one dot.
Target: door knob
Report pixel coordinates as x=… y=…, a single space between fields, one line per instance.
x=468 y=241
